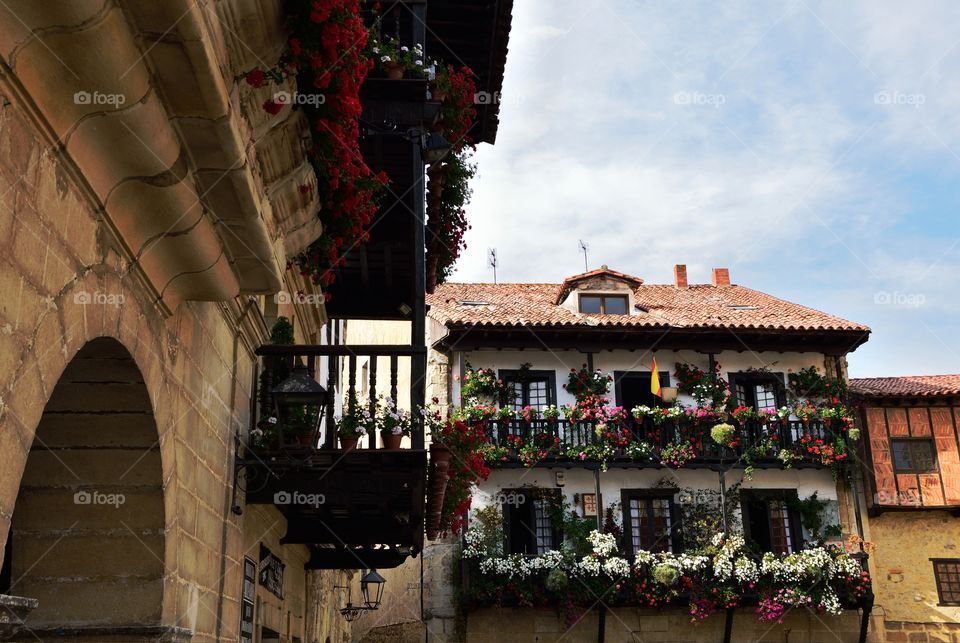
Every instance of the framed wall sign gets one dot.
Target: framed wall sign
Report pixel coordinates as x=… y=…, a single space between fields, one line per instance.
x=589 y=503
x=247 y=600
x=271 y=572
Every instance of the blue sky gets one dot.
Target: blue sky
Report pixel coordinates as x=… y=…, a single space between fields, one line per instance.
x=811 y=147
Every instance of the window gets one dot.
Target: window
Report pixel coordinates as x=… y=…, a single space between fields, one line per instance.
x=527 y=520
x=759 y=390
x=769 y=522
x=947 y=573
x=650 y=520
x=913 y=455
x=529 y=388
x=633 y=389
x=603 y=304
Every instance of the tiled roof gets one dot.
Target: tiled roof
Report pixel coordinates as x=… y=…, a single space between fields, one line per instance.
x=698 y=306
x=907 y=385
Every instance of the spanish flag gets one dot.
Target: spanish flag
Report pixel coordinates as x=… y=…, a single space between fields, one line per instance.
x=655 y=378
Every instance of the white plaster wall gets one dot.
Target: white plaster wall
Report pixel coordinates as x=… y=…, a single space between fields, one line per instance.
x=579 y=481
x=625 y=360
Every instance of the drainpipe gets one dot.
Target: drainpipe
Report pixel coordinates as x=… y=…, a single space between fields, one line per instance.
x=232 y=446
x=602 y=610
x=722 y=474
x=867 y=602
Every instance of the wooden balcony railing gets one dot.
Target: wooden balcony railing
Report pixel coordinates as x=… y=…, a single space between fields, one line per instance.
x=343 y=359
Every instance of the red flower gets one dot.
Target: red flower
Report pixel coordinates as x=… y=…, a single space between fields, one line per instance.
x=255 y=78
x=272 y=107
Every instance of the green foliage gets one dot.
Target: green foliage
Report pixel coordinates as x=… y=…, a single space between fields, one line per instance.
x=701 y=517
x=282 y=332
x=813 y=517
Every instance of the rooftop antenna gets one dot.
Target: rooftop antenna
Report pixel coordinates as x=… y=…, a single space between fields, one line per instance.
x=492 y=261
x=583 y=248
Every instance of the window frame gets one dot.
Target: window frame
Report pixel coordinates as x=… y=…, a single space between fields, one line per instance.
x=507 y=376
x=768 y=495
x=934 y=461
x=603 y=302
x=753 y=379
x=626 y=495
x=936 y=578
x=531 y=494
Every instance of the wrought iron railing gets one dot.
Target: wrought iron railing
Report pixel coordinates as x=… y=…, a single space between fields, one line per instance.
x=758 y=440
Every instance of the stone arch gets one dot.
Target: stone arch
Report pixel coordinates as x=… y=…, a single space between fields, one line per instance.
x=88 y=529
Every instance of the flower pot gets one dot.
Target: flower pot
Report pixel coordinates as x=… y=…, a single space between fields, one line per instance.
x=305 y=440
x=440 y=457
x=668 y=393
x=391 y=442
x=348 y=443
x=394 y=71
x=438 y=95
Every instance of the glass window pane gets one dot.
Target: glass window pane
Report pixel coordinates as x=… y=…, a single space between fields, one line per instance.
x=515 y=395
x=544 y=529
x=590 y=304
x=901 y=454
x=537 y=392
x=780 y=539
x=615 y=305
x=766 y=396
x=913 y=455
x=922 y=455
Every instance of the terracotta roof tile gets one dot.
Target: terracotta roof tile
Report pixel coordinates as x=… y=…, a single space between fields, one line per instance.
x=698 y=306
x=906 y=385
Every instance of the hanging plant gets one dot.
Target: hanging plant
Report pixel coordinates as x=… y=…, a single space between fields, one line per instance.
x=328 y=57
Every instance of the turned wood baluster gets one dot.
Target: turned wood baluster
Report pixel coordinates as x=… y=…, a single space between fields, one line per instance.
x=373 y=396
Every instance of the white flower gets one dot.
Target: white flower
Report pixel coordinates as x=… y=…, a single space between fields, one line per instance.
x=384 y=58
x=616 y=567
x=603 y=544
x=419 y=63
x=376 y=50
x=404 y=48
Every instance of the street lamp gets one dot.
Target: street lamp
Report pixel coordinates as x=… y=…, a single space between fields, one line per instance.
x=371 y=587
x=294 y=396
x=435 y=147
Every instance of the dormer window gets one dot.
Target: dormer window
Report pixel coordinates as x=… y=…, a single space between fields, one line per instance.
x=603 y=304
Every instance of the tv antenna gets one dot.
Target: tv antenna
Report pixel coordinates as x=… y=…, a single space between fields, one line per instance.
x=583 y=248
x=492 y=262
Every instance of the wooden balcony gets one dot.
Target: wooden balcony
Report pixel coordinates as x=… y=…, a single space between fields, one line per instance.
x=358 y=508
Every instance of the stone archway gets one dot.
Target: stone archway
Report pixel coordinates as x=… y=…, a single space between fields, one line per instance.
x=88 y=532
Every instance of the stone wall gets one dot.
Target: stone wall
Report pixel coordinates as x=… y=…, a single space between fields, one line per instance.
x=629 y=625
x=62 y=284
x=907 y=605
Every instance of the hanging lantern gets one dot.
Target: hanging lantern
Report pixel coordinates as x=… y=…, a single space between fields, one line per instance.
x=371 y=587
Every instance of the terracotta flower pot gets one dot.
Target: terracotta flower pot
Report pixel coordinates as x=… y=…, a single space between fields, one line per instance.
x=391 y=442
x=394 y=71
x=440 y=457
x=305 y=440
x=348 y=443
x=438 y=95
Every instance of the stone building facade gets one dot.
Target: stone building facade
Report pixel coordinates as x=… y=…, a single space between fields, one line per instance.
x=143 y=236
x=911 y=467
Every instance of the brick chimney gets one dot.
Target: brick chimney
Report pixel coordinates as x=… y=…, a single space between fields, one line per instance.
x=721 y=277
x=680 y=275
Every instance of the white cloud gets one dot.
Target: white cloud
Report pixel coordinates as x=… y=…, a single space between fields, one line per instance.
x=778 y=162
